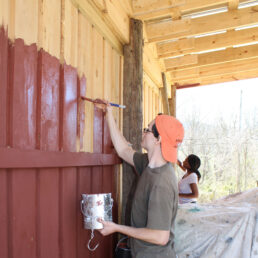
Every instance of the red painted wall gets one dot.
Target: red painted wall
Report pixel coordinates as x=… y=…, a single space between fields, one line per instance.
x=42 y=117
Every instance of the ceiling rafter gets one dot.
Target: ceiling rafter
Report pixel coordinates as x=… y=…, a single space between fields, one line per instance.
x=180 y=35
x=145 y=6
x=196 y=45
x=206 y=59
x=145 y=11
x=201 y=41
x=214 y=70
x=190 y=7
x=201 y=80
x=169 y=30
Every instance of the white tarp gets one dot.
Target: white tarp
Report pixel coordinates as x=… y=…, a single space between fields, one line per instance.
x=226 y=228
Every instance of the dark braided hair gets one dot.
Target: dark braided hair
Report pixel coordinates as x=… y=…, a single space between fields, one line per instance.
x=194 y=163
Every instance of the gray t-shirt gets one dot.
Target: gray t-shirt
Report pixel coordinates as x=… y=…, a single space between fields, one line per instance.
x=154 y=206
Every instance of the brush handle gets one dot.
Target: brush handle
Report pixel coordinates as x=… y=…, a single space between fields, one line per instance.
x=94 y=101
x=117 y=105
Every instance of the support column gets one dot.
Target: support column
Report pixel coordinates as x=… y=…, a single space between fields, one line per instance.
x=172 y=101
x=133 y=114
x=164 y=92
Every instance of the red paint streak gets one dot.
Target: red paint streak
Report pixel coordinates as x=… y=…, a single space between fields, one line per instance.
x=24 y=95
x=3 y=85
x=48 y=102
x=3 y=142
x=69 y=108
x=98 y=130
x=81 y=90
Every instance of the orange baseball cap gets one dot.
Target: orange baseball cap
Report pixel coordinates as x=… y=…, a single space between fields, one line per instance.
x=172 y=134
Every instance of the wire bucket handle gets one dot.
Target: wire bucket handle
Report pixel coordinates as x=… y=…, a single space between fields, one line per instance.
x=91 y=237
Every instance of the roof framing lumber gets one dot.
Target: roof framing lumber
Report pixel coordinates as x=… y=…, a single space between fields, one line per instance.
x=176 y=48
x=233 y=4
x=168 y=30
x=218 y=78
x=164 y=92
x=192 y=45
x=223 y=56
x=194 y=73
x=114 y=15
x=141 y=6
x=181 y=61
x=157 y=13
x=145 y=12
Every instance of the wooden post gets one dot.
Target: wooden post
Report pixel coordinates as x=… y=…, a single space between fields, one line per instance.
x=164 y=92
x=172 y=101
x=133 y=114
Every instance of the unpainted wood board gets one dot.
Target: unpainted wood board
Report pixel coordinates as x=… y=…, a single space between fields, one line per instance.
x=108 y=66
x=97 y=65
x=4 y=13
x=49 y=28
x=24 y=15
x=70 y=36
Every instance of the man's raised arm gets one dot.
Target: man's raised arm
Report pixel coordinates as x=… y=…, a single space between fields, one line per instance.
x=123 y=148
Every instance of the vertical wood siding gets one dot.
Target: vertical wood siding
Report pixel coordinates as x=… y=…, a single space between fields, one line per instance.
x=49 y=52
x=41 y=112
x=152 y=100
x=63 y=32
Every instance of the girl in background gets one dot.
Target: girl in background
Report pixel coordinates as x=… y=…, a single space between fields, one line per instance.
x=187 y=186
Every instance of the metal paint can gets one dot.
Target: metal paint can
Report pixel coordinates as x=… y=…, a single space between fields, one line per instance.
x=94 y=206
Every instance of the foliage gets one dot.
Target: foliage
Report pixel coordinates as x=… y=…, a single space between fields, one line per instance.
x=228 y=152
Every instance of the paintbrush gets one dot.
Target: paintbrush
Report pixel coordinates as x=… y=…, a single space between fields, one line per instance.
x=97 y=102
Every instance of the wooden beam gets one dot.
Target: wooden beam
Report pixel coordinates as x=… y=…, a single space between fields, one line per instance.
x=187 y=85
x=142 y=6
x=222 y=56
x=172 y=100
x=156 y=14
x=164 y=92
x=181 y=61
x=191 y=6
x=133 y=114
x=132 y=85
x=169 y=30
x=214 y=70
x=204 y=5
x=233 y=4
x=115 y=16
x=190 y=45
x=200 y=81
x=176 y=14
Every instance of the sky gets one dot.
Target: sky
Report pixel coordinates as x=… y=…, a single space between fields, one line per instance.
x=224 y=99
